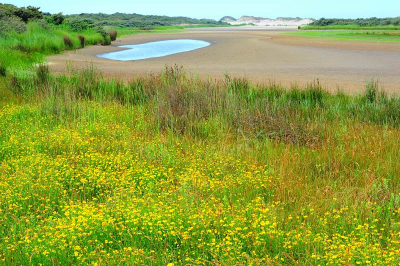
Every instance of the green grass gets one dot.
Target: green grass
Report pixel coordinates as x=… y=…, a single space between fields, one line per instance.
x=172 y=169
x=349 y=27
x=21 y=51
x=357 y=35
x=122 y=31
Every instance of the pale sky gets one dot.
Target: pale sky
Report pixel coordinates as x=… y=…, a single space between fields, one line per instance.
x=217 y=9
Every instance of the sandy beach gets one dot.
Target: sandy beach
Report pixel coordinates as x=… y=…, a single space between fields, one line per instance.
x=261 y=55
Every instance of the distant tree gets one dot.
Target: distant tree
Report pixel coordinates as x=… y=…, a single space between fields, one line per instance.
x=359 y=21
x=27 y=13
x=79 y=24
x=56 y=19
x=8 y=9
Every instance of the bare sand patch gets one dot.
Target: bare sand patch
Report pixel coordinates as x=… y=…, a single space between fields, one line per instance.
x=259 y=55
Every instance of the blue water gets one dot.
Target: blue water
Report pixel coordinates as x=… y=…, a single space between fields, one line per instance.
x=154 y=49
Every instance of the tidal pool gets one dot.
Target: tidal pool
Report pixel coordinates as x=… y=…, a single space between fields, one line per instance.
x=154 y=49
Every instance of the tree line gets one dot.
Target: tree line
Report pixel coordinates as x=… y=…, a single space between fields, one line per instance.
x=359 y=22
x=14 y=18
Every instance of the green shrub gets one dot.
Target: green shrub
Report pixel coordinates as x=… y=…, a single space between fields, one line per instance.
x=104 y=34
x=13 y=23
x=29 y=13
x=41 y=22
x=107 y=40
x=77 y=24
x=56 y=19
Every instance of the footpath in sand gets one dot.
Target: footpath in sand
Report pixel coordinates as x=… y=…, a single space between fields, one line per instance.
x=258 y=54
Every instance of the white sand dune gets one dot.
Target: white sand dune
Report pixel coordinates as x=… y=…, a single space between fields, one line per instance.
x=267 y=21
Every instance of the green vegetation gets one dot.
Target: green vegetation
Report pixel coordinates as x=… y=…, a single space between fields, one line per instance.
x=141 y=21
x=28 y=35
x=349 y=27
x=361 y=35
x=355 y=23
x=22 y=50
x=172 y=169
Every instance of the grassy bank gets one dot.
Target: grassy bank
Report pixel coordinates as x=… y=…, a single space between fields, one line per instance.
x=358 y=35
x=349 y=27
x=172 y=169
x=22 y=50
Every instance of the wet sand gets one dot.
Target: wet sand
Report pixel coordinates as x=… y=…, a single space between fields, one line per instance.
x=260 y=55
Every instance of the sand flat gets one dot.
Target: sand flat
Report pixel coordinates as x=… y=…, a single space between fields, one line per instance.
x=261 y=55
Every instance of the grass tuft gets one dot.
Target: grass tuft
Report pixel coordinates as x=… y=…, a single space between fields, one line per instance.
x=42 y=73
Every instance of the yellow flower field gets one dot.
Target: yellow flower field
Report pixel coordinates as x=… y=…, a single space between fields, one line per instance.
x=100 y=186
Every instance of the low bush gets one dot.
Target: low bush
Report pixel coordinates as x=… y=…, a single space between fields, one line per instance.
x=104 y=34
x=113 y=35
x=56 y=19
x=107 y=40
x=11 y=24
x=77 y=24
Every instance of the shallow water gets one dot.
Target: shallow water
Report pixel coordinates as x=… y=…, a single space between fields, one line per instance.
x=154 y=49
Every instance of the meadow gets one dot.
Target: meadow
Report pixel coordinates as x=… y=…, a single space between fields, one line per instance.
x=171 y=169
x=367 y=35
x=350 y=27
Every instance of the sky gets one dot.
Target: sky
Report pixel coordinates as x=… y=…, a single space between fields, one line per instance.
x=217 y=9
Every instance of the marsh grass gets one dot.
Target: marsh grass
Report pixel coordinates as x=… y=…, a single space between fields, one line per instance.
x=169 y=168
x=183 y=104
x=21 y=51
x=368 y=35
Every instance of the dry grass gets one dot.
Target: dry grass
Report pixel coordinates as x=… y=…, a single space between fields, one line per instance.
x=68 y=42
x=113 y=35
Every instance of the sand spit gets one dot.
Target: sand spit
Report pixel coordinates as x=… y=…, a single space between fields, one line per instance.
x=262 y=56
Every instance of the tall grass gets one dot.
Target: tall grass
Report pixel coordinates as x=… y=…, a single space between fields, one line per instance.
x=169 y=168
x=182 y=104
x=22 y=50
